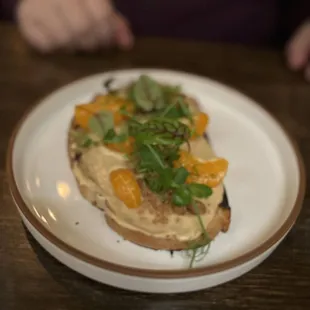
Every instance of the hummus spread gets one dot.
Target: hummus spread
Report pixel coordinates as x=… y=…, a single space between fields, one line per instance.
x=93 y=171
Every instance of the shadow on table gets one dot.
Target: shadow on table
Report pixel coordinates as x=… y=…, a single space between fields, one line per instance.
x=95 y=295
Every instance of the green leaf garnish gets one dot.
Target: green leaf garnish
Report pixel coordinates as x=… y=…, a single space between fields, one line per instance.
x=96 y=127
x=200 y=190
x=82 y=139
x=184 y=108
x=87 y=142
x=124 y=111
x=176 y=106
x=198 y=250
x=149 y=159
x=160 y=131
x=182 y=196
x=161 y=181
x=101 y=123
x=174 y=113
x=171 y=89
x=112 y=137
x=181 y=175
x=147 y=94
x=169 y=92
x=171 y=109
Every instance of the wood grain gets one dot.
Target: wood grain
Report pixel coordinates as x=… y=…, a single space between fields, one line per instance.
x=32 y=279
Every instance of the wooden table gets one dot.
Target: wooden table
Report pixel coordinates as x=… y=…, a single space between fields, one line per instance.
x=32 y=279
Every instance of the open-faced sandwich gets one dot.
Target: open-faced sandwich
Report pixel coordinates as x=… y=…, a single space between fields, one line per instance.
x=140 y=154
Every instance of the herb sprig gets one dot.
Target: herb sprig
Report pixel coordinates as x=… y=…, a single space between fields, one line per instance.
x=198 y=250
x=153 y=98
x=157 y=146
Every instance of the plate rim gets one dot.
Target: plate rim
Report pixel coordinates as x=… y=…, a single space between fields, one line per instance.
x=158 y=273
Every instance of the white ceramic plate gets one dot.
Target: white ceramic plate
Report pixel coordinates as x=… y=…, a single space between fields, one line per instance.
x=265 y=186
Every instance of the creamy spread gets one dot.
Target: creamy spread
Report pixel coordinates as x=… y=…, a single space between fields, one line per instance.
x=93 y=171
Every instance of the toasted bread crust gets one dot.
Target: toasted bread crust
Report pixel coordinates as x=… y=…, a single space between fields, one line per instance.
x=218 y=224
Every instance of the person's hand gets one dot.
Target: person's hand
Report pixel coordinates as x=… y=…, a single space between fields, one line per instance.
x=298 y=50
x=72 y=24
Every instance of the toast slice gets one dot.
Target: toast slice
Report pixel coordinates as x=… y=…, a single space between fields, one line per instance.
x=154 y=224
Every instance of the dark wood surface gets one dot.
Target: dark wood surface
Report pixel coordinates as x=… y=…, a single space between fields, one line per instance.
x=32 y=279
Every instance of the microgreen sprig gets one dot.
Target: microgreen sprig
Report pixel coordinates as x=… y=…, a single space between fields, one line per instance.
x=198 y=250
x=154 y=98
x=157 y=144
